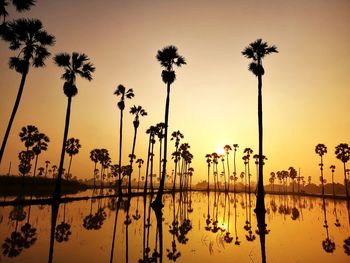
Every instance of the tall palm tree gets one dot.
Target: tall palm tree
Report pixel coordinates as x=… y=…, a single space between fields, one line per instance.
x=256 y=51
x=227 y=149
x=235 y=146
x=123 y=93
x=28 y=37
x=41 y=144
x=72 y=148
x=137 y=111
x=20 y=5
x=160 y=135
x=168 y=57
x=209 y=161
x=94 y=155
x=332 y=167
x=321 y=150
x=342 y=152
x=177 y=136
x=74 y=65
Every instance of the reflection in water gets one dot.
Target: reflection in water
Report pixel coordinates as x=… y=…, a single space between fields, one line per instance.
x=197 y=226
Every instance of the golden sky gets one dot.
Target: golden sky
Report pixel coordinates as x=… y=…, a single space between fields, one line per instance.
x=214 y=99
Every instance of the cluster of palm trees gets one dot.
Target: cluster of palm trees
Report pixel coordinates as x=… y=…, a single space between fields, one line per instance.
x=342 y=152
x=283 y=178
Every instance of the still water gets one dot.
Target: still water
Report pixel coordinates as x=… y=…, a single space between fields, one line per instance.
x=194 y=227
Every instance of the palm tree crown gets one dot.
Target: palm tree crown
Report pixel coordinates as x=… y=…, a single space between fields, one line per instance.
x=20 y=5
x=121 y=91
x=256 y=51
x=321 y=149
x=342 y=152
x=27 y=36
x=137 y=111
x=77 y=64
x=72 y=146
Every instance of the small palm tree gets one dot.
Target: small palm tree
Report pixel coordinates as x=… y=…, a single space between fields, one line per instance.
x=342 y=152
x=332 y=167
x=235 y=146
x=28 y=37
x=256 y=51
x=72 y=148
x=41 y=144
x=168 y=57
x=123 y=93
x=137 y=112
x=177 y=136
x=73 y=65
x=292 y=174
x=47 y=162
x=140 y=162
x=227 y=149
x=94 y=155
x=321 y=150
x=54 y=168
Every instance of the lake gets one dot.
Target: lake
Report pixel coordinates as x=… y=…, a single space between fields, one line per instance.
x=194 y=227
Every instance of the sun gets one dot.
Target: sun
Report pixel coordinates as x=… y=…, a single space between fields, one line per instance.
x=220 y=150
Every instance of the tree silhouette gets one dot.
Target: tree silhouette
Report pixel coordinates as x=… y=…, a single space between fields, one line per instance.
x=20 y=5
x=168 y=57
x=292 y=174
x=342 y=152
x=73 y=65
x=94 y=155
x=256 y=51
x=47 y=162
x=227 y=149
x=177 y=136
x=72 y=148
x=332 y=167
x=41 y=144
x=29 y=38
x=137 y=112
x=123 y=93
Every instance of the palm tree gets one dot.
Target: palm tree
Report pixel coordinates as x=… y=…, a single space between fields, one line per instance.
x=94 y=155
x=321 y=150
x=257 y=51
x=137 y=111
x=29 y=38
x=20 y=5
x=123 y=93
x=40 y=145
x=72 y=148
x=248 y=152
x=73 y=65
x=28 y=135
x=54 y=168
x=292 y=174
x=177 y=136
x=332 y=167
x=47 y=162
x=342 y=152
x=160 y=135
x=168 y=57
x=209 y=161
x=140 y=162
x=235 y=146
x=228 y=148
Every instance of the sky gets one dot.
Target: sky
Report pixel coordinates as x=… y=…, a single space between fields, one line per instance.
x=214 y=98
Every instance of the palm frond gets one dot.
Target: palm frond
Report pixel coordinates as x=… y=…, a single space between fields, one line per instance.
x=120 y=90
x=23 y=5
x=62 y=59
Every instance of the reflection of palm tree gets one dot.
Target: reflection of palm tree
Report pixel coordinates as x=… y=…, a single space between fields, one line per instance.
x=168 y=57
x=72 y=148
x=257 y=51
x=123 y=93
x=342 y=152
x=27 y=36
x=327 y=244
x=73 y=65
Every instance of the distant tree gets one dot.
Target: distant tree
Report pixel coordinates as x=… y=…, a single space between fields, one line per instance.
x=332 y=167
x=256 y=51
x=342 y=152
x=292 y=174
x=137 y=112
x=321 y=150
x=72 y=148
x=235 y=146
x=94 y=155
x=272 y=179
x=140 y=163
x=47 y=162
x=168 y=57
x=74 y=65
x=41 y=144
x=177 y=136
x=123 y=93
x=227 y=149
x=29 y=38
x=41 y=171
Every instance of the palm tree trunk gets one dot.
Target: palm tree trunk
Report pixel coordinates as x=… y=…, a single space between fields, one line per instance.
x=346 y=183
x=147 y=164
x=260 y=204
x=13 y=114
x=57 y=191
x=70 y=163
x=132 y=160
x=158 y=201
x=120 y=153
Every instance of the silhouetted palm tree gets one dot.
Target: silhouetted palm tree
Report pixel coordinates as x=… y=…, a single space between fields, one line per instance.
x=72 y=148
x=292 y=174
x=28 y=135
x=342 y=152
x=31 y=40
x=20 y=5
x=321 y=150
x=168 y=58
x=177 y=136
x=47 y=162
x=94 y=155
x=137 y=111
x=227 y=149
x=123 y=93
x=332 y=167
x=257 y=51
x=73 y=65
x=40 y=145
x=209 y=161
x=235 y=146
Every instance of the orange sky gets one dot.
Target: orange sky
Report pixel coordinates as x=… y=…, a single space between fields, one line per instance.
x=214 y=99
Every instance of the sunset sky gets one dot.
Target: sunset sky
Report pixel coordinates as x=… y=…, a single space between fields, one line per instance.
x=306 y=87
